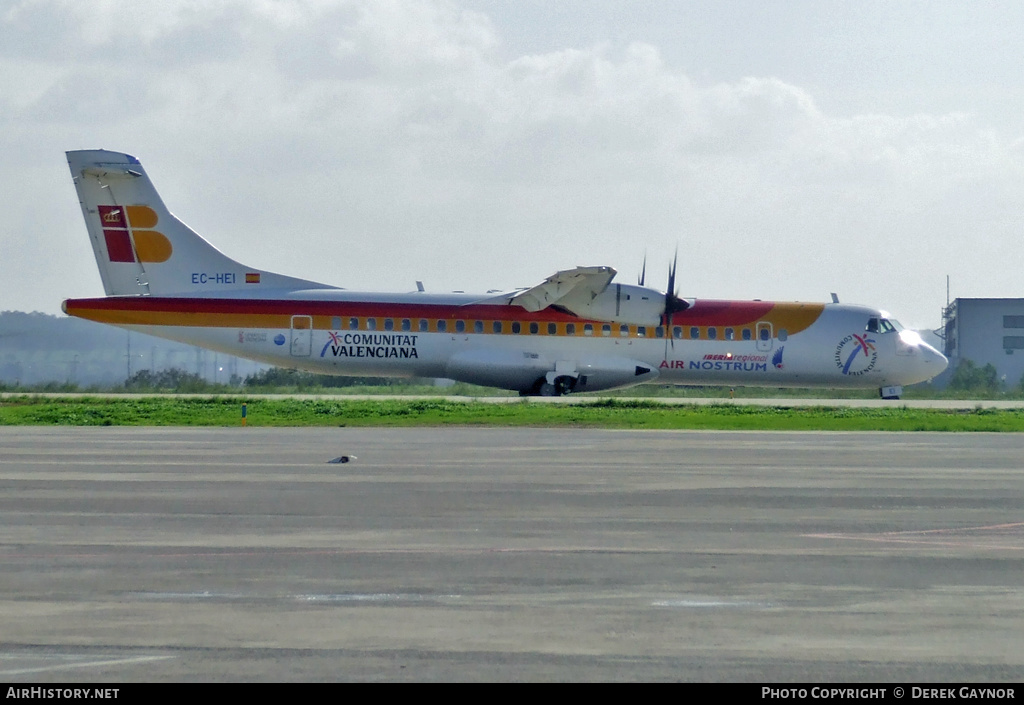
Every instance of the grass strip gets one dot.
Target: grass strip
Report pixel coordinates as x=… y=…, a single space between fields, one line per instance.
x=603 y=413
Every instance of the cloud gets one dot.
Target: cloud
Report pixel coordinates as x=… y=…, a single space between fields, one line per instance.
x=370 y=144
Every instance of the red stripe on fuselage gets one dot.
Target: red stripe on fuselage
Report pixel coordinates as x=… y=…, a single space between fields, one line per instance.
x=154 y=304
x=701 y=313
x=711 y=312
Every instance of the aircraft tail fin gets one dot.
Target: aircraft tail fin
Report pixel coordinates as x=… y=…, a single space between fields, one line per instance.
x=141 y=248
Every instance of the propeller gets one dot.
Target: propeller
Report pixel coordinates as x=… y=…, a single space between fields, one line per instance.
x=673 y=304
x=643 y=272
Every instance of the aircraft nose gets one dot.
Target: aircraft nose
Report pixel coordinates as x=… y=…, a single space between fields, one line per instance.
x=917 y=361
x=931 y=363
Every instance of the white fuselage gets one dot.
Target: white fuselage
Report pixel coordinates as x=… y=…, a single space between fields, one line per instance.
x=420 y=335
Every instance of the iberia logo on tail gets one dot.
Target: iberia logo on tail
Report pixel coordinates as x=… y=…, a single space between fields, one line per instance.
x=129 y=234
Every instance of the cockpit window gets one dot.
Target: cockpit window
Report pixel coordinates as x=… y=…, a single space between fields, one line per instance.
x=883 y=325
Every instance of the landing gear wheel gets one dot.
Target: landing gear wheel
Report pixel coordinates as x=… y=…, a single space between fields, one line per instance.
x=893 y=392
x=564 y=385
x=547 y=390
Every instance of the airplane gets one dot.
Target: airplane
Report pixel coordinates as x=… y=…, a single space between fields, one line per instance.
x=576 y=331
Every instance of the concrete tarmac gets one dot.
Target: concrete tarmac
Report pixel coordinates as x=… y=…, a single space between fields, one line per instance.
x=171 y=554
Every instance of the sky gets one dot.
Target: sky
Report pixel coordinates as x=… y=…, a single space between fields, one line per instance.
x=785 y=149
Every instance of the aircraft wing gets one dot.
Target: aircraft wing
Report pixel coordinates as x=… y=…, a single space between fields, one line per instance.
x=568 y=287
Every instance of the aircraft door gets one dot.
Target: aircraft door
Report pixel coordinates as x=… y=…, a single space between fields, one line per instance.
x=302 y=336
x=764 y=336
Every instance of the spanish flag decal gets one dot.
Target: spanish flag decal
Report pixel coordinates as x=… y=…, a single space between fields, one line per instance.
x=251 y=278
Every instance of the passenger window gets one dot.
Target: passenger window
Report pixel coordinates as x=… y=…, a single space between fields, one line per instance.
x=336 y=323
x=552 y=328
x=353 y=324
x=460 y=326
x=534 y=328
x=516 y=327
x=406 y=324
x=497 y=327
x=730 y=334
x=677 y=332
x=624 y=330
x=442 y=326
x=389 y=324
x=478 y=326
x=695 y=333
x=712 y=333
x=764 y=334
x=606 y=330
x=659 y=332
x=570 y=329
x=424 y=325
x=641 y=331
x=588 y=329
x=747 y=335
x=371 y=324
x=783 y=335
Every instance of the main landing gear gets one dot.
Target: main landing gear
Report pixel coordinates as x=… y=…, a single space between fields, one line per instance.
x=542 y=388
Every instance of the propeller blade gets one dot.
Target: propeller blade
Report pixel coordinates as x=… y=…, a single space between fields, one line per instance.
x=643 y=272
x=673 y=304
x=671 y=298
x=670 y=292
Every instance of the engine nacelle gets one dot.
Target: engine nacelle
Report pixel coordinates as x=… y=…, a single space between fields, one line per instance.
x=620 y=303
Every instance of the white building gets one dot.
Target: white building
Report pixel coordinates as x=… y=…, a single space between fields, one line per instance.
x=985 y=331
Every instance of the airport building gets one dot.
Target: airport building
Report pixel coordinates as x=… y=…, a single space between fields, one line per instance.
x=985 y=331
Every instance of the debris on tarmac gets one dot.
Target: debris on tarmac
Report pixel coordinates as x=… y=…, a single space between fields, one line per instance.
x=342 y=459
